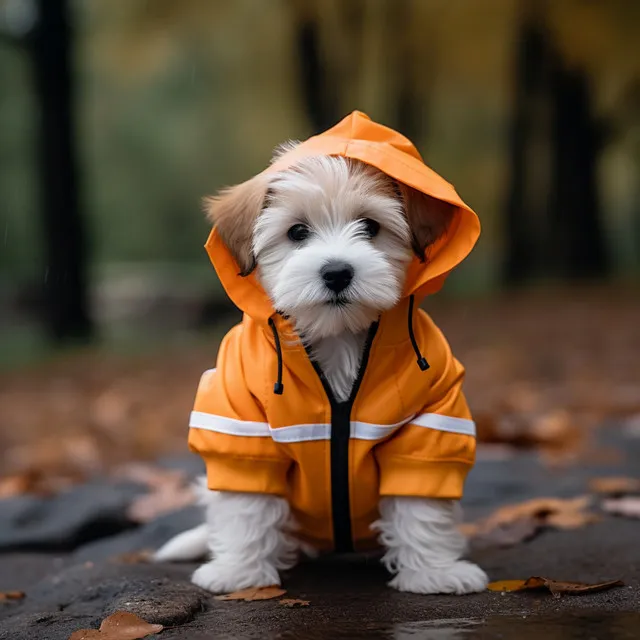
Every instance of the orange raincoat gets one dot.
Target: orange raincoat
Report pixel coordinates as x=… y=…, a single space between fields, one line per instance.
x=406 y=429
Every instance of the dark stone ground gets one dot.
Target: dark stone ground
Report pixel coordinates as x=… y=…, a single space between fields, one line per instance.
x=63 y=553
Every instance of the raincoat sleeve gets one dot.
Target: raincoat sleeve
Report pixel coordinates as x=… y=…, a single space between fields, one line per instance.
x=228 y=428
x=431 y=455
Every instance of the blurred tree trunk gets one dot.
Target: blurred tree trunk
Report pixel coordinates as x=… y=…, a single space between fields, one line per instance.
x=552 y=213
x=580 y=243
x=65 y=250
x=412 y=71
x=527 y=207
x=319 y=90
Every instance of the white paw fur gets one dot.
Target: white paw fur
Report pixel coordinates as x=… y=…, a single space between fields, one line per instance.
x=459 y=578
x=218 y=577
x=249 y=540
x=424 y=547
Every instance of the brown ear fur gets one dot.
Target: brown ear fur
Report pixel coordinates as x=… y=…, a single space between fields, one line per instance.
x=233 y=211
x=429 y=218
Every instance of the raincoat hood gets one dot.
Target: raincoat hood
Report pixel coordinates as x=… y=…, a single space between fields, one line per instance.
x=360 y=138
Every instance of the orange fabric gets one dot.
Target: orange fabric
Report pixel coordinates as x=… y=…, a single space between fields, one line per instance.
x=411 y=430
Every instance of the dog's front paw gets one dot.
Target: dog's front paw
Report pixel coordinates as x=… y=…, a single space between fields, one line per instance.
x=459 y=578
x=224 y=578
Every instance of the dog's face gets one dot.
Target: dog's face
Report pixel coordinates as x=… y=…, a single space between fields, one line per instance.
x=332 y=246
x=331 y=239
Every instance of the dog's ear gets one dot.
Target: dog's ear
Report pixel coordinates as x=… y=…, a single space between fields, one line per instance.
x=233 y=211
x=429 y=218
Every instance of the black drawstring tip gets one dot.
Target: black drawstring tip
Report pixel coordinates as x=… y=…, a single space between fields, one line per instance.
x=422 y=361
x=278 y=387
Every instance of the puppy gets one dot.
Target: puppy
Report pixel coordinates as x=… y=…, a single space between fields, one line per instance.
x=324 y=426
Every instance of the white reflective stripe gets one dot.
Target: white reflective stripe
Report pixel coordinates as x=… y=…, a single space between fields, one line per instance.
x=211 y=422
x=308 y=432
x=232 y=427
x=371 y=431
x=445 y=423
x=302 y=433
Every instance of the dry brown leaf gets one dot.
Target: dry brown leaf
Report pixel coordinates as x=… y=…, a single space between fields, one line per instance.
x=559 y=588
x=620 y=485
x=5 y=596
x=521 y=424
x=150 y=475
x=556 y=587
x=506 y=585
x=468 y=529
x=134 y=557
x=120 y=625
x=253 y=593
x=293 y=602
x=507 y=534
x=164 y=499
x=515 y=523
x=539 y=508
x=27 y=481
x=571 y=519
x=628 y=507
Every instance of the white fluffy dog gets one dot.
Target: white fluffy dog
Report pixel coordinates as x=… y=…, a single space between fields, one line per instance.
x=331 y=273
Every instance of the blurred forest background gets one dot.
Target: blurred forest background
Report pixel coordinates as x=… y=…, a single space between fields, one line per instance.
x=117 y=116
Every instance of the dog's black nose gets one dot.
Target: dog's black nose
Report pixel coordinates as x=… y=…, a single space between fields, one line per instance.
x=337 y=275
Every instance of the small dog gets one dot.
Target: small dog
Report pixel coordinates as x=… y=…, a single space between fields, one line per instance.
x=332 y=241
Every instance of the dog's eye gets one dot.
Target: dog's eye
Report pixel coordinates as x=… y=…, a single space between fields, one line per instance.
x=298 y=233
x=371 y=227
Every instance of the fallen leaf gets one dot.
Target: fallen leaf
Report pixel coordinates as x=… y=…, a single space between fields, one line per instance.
x=28 y=481
x=170 y=491
x=570 y=519
x=11 y=595
x=168 y=499
x=628 y=507
x=120 y=625
x=134 y=557
x=515 y=523
x=253 y=593
x=505 y=535
x=150 y=475
x=292 y=602
x=556 y=587
x=559 y=588
x=615 y=485
x=520 y=423
x=506 y=585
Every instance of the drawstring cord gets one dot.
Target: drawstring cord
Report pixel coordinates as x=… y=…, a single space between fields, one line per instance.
x=422 y=361
x=278 y=387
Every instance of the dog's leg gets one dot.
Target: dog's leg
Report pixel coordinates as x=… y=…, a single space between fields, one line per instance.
x=248 y=542
x=424 y=547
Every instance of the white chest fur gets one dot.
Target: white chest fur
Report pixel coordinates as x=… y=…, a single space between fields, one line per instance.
x=339 y=358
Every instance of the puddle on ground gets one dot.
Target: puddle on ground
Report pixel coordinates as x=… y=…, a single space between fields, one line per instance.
x=565 y=626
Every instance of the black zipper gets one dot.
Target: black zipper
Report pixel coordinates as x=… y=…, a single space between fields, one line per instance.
x=340 y=437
